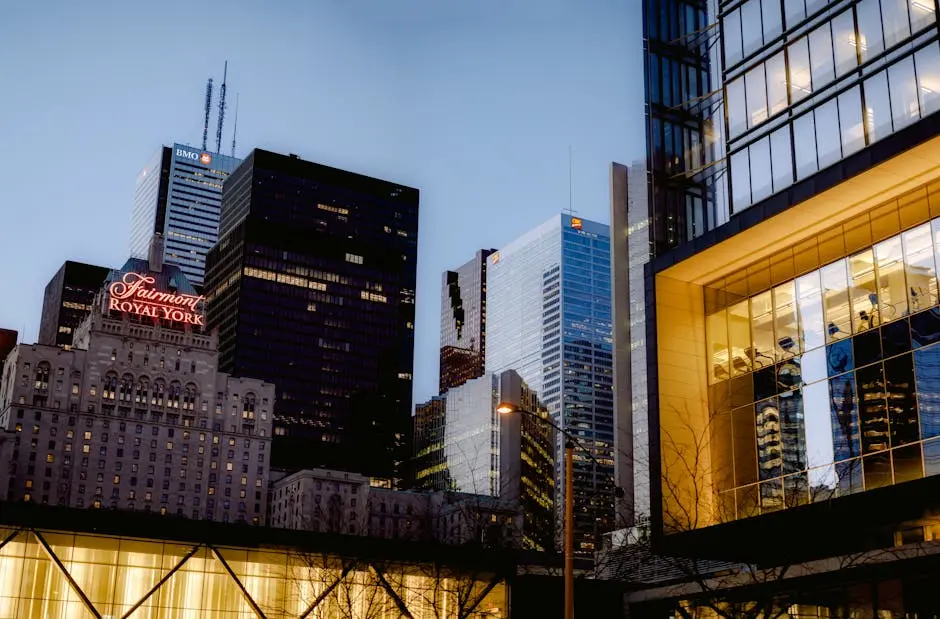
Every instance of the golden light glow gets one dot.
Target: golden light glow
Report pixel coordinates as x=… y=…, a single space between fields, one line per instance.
x=505 y=408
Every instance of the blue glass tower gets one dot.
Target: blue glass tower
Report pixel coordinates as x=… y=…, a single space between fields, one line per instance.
x=549 y=318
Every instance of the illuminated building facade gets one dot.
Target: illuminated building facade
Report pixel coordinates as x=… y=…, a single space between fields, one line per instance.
x=463 y=322
x=549 y=319
x=312 y=287
x=475 y=450
x=67 y=300
x=179 y=195
x=136 y=415
x=61 y=563
x=792 y=350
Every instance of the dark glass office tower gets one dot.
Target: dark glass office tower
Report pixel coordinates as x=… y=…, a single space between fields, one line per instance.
x=312 y=287
x=67 y=300
x=463 y=322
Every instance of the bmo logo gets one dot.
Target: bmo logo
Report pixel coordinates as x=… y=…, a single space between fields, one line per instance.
x=204 y=158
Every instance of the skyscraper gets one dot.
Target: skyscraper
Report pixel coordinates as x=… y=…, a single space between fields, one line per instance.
x=549 y=318
x=463 y=322
x=179 y=195
x=312 y=286
x=68 y=298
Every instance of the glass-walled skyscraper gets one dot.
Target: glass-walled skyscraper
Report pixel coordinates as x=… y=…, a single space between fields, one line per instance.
x=179 y=194
x=549 y=318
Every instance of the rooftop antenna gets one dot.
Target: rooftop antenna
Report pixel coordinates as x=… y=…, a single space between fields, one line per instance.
x=218 y=133
x=571 y=210
x=235 y=131
x=205 y=125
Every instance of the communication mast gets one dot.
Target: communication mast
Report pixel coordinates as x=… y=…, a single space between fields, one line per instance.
x=235 y=130
x=218 y=133
x=205 y=126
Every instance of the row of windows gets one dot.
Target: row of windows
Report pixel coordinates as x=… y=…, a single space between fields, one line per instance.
x=893 y=99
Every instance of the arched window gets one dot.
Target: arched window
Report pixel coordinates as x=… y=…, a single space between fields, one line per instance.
x=189 y=397
x=42 y=376
x=173 y=395
x=159 y=391
x=248 y=407
x=143 y=387
x=109 y=386
x=127 y=388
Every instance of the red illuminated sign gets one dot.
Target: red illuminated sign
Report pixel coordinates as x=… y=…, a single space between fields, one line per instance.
x=576 y=223
x=135 y=294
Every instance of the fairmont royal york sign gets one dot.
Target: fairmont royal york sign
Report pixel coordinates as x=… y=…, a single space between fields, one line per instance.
x=135 y=294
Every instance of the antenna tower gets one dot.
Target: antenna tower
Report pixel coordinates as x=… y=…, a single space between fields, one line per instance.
x=218 y=133
x=235 y=130
x=205 y=125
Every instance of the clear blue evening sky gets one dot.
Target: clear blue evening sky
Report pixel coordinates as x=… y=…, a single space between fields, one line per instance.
x=475 y=103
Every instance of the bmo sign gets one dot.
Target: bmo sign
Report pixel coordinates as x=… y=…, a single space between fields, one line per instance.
x=203 y=158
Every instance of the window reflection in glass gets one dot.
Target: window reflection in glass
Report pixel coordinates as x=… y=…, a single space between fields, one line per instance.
x=773 y=21
x=873 y=411
x=850 y=121
x=895 y=21
x=927 y=62
x=870 y=38
x=745 y=446
x=820 y=51
x=795 y=11
x=819 y=450
x=716 y=331
x=892 y=291
x=761 y=177
x=922 y=14
x=769 y=440
x=927 y=375
x=739 y=330
x=828 y=139
x=843 y=43
x=844 y=411
x=776 y=83
x=762 y=329
x=920 y=267
x=905 y=107
x=756 y=89
x=877 y=106
x=731 y=35
x=800 y=84
x=737 y=108
x=792 y=431
x=786 y=321
x=862 y=291
x=781 y=158
x=740 y=180
x=901 y=400
x=809 y=299
x=836 y=301
x=804 y=136
x=752 y=31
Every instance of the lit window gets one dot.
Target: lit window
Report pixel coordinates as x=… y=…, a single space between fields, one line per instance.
x=50 y=458
x=355 y=259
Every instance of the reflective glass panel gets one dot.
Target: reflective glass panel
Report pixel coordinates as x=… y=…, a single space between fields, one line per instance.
x=877 y=106
x=761 y=177
x=843 y=39
x=908 y=463
x=896 y=338
x=716 y=327
x=762 y=329
x=850 y=121
x=820 y=52
x=901 y=400
x=844 y=410
x=922 y=14
x=927 y=62
x=745 y=446
x=740 y=180
x=737 y=108
x=836 y=301
x=925 y=328
x=795 y=11
x=828 y=139
x=773 y=20
x=804 y=136
x=905 y=107
x=752 y=31
x=927 y=375
x=776 y=83
x=739 y=328
x=800 y=80
x=789 y=375
x=871 y=40
x=786 y=321
x=895 y=21
x=809 y=295
x=756 y=86
x=781 y=157
x=892 y=288
x=863 y=292
x=792 y=431
x=920 y=267
x=840 y=357
x=818 y=425
x=796 y=490
x=872 y=409
x=731 y=35
x=813 y=366
x=769 y=439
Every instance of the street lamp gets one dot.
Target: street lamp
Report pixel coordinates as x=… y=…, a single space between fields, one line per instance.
x=507 y=408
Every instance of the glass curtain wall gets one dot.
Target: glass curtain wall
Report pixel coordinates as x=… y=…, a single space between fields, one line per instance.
x=828 y=383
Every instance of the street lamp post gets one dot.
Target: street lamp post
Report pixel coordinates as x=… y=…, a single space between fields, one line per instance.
x=506 y=408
